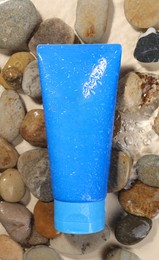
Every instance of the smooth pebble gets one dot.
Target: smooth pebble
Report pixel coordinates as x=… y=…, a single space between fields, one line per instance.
x=41 y=253
x=9 y=249
x=36 y=238
x=120 y=254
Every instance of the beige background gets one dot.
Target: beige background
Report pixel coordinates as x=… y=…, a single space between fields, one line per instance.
x=118 y=31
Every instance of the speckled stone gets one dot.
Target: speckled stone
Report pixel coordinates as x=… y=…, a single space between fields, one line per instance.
x=12 y=187
x=120 y=254
x=18 y=26
x=52 y=31
x=91 y=19
x=147 y=168
x=119 y=173
x=131 y=229
x=41 y=253
x=141 y=200
x=31 y=81
x=36 y=239
x=76 y=245
x=9 y=249
x=12 y=112
x=8 y=155
x=34 y=168
x=156 y=124
x=16 y=219
x=33 y=129
x=44 y=219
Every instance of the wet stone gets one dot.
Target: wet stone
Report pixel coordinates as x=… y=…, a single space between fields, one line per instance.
x=120 y=254
x=131 y=229
x=12 y=187
x=8 y=155
x=35 y=171
x=12 y=112
x=33 y=128
x=140 y=200
x=147 y=168
x=52 y=31
x=13 y=36
x=9 y=249
x=31 y=81
x=41 y=253
x=73 y=245
x=44 y=219
x=119 y=173
x=16 y=219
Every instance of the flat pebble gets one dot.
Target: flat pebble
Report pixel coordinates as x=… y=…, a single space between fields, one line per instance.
x=91 y=19
x=132 y=229
x=12 y=187
x=16 y=219
x=33 y=129
x=8 y=155
x=147 y=168
x=35 y=171
x=44 y=219
x=31 y=81
x=52 y=31
x=73 y=245
x=12 y=112
x=9 y=249
x=18 y=26
x=119 y=173
x=36 y=238
x=41 y=253
x=141 y=200
x=120 y=254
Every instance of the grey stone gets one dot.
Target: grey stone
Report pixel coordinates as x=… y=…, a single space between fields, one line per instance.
x=35 y=171
x=120 y=254
x=18 y=19
x=41 y=253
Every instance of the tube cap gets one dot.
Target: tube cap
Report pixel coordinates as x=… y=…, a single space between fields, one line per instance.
x=79 y=218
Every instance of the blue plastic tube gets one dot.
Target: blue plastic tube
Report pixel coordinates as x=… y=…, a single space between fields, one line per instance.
x=79 y=87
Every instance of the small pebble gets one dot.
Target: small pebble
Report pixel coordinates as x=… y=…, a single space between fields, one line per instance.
x=147 y=168
x=8 y=155
x=140 y=200
x=16 y=219
x=142 y=13
x=52 y=31
x=91 y=19
x=73 y=245
x=36 y=239
x=156 y=124
x=12 y=187
x=33 y=129
x=9 y=249
x=131 y=229
x=41 y=253
x=44 y=219
x=12 y=112
x=119 y=173
x=31 y=81
x=120 y=254
x=35 y=171
x=20 y=19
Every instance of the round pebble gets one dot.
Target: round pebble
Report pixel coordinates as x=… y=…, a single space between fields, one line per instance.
x=141 y=200
x=12 y=112
x=91 y=19
x=33 y=128
x=131 y=229
x=16 y=219
x=73 y=245
x=31 y=81
x=18 y=26
x=41 y=253
x=52 y=31
x=44 y=219
x=120 y=254
x=9 y=249
x=12 y=187
x=8 y=155
x=119 y=173
x=147 y=168
x=35 y=171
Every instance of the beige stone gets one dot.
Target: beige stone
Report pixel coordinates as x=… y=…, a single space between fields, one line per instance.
x=9 y=249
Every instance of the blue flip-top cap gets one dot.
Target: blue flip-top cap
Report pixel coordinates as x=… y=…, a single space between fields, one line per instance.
x=79 y=218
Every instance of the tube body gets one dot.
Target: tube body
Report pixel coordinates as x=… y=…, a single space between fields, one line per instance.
x=79 y=88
